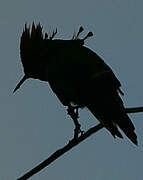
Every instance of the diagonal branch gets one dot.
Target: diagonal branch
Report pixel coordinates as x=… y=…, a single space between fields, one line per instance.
x=70 y=145
x=60 y=152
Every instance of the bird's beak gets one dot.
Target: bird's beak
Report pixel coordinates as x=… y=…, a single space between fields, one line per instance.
x=20 y=83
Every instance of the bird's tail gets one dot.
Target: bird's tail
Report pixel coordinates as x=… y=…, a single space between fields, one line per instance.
x=127 y=127
x=114 y=117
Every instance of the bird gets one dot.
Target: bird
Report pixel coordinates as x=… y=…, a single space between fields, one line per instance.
x=77 y=75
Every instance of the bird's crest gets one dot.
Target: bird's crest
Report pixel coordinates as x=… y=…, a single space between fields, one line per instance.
x=32 y=40
x=31 y=36
x=35 y=34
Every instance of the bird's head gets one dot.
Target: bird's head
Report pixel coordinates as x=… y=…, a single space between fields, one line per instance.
x=32 y=47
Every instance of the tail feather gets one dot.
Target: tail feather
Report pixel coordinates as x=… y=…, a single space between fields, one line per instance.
x=127 y=127
x=131 y=135
x=113 y=129
x=114 y=116
x=108 y=124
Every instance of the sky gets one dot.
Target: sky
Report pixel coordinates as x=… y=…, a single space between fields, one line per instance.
x=33 y=122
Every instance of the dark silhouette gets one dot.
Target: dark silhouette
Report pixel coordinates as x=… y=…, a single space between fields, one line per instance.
x=78 y=76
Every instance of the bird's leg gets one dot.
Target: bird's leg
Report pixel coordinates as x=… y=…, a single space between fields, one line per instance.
x=73 y=112
x=77 y=114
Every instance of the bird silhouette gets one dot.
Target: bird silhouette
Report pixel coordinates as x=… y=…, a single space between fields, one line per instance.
x=77 y=75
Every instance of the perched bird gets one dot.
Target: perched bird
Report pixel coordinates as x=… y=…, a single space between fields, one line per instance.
x=77 y=75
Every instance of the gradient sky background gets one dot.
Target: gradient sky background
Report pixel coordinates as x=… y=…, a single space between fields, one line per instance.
x=34 y=124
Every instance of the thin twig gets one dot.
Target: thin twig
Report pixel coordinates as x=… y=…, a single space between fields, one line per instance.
x=69 y=146
x=134 y=110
